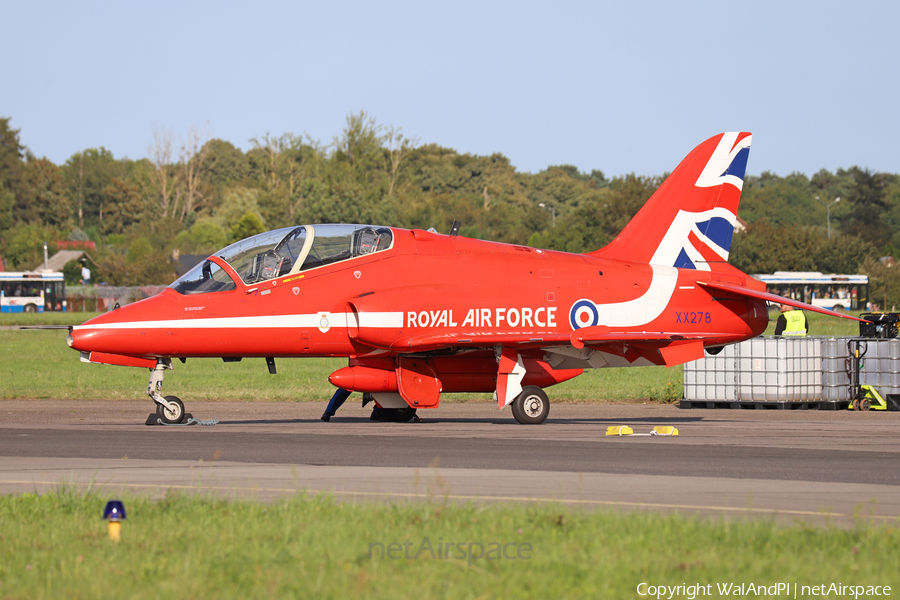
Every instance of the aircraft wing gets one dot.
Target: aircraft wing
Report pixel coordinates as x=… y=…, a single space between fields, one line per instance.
x=578 y=339
x=425 y=343
x=675 y=348
x=742 y=291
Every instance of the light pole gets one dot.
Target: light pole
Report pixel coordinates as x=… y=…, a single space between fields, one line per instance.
x=828 y=206
x=552 y=211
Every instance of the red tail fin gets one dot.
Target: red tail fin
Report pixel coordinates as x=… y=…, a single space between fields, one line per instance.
x=688 y=223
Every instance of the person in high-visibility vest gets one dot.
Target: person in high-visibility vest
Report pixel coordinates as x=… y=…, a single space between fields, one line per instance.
x=791 y=322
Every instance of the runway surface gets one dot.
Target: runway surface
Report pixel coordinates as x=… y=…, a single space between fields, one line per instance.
x=818 y=466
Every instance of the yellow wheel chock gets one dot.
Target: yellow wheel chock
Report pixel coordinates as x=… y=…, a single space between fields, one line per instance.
x=620 y=430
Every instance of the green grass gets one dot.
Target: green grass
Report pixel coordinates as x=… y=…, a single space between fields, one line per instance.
x=55 y=546
x=38 y=364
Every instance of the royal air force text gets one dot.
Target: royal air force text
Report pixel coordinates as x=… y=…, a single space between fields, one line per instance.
x=543 y=316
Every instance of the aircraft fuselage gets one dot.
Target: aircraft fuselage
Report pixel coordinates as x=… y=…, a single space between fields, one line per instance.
x=424 y=291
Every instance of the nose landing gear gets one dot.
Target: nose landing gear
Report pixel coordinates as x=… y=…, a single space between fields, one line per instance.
x=169 y=409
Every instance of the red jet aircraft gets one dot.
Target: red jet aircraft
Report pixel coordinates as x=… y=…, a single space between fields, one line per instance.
x=419 y=314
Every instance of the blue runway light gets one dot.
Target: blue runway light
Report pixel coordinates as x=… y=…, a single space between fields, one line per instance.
x=114 y=511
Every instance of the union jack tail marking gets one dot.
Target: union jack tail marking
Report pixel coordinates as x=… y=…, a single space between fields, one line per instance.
x=689 y=222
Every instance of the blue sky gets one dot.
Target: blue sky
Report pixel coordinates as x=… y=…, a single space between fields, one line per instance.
x=617 y=86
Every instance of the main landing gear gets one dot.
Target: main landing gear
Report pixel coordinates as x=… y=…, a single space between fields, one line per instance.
x=532 y=406
x=169 y=409
x=393 y=415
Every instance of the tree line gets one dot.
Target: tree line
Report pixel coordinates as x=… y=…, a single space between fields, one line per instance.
x=194 y=194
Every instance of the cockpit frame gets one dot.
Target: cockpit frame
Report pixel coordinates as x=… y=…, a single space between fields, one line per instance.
x=275 y=254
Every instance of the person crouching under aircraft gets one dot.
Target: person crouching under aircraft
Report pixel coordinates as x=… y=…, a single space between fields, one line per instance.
x=378 y=414
x=339 y=397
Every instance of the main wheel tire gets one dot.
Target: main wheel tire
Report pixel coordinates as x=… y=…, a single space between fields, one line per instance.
x=532 y=406
x=393 y=415
x=405 y=415
x=864 y=404
x=854 y=405
x=31 y=308
x=171 y=416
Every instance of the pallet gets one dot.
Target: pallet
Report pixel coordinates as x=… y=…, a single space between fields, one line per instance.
x=803 y=405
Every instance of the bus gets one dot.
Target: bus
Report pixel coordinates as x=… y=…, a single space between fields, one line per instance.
x=835 y=292
x=32 y=292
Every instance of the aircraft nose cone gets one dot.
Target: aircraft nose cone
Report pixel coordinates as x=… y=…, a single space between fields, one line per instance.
x=145 y=328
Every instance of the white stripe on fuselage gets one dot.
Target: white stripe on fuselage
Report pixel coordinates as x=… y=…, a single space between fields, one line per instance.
x=374 y=320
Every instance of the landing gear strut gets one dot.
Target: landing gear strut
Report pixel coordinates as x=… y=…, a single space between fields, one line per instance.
x=170 y=409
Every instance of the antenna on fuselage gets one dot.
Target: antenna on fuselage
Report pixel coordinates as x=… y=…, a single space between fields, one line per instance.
x=454 y=230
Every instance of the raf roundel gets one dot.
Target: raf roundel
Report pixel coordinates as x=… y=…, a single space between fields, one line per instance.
x=583 y=314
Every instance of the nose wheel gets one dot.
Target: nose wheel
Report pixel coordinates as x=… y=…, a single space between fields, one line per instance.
x=532 y=406
x=173 y=413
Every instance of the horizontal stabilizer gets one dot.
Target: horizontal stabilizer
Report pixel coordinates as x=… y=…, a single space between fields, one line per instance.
x=742 y=291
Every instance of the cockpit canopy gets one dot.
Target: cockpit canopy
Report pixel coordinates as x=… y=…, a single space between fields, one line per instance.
x=283 y=252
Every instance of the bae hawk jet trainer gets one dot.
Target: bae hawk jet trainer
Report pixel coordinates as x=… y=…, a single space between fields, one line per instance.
x=419 y=314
